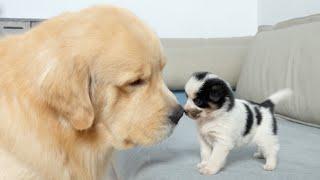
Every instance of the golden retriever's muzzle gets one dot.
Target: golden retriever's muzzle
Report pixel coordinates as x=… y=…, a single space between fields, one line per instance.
x=176 y=114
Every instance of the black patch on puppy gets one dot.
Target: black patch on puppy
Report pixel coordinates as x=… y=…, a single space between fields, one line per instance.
x=253 y=103
x=268 y=104
x=249 y=120
x=274 y=125
x=215 y=92
x=200 y=75
x=258 y=115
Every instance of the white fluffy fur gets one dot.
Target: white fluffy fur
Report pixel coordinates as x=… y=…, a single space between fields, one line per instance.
x=220 y=131
x=280 y=95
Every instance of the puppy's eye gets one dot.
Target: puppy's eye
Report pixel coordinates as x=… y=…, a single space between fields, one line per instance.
x=198 y=102
x=137 y=82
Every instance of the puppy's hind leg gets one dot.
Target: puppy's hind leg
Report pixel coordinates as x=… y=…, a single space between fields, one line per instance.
x=270 y=150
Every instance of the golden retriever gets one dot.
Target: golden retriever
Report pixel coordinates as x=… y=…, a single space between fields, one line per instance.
x=75 y=88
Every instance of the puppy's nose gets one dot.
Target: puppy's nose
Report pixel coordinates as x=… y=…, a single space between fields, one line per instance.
x=176 y=114
x=193 y=113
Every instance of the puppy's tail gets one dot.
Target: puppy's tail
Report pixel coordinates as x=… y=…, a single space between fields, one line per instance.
x=276 y=97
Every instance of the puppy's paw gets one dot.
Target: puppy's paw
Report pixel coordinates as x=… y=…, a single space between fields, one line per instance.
x=208 y=169
x=269 y=167
x=258 y=155
x=201 y=164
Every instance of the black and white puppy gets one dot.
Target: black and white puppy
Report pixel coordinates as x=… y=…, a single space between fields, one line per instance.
x=225 y=122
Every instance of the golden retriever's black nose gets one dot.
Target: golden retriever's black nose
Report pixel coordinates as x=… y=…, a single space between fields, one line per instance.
x=176 y=114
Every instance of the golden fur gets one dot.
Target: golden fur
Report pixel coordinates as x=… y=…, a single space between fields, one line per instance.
x=76 y=87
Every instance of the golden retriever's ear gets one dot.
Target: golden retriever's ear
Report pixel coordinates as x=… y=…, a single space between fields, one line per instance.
x=66 y=89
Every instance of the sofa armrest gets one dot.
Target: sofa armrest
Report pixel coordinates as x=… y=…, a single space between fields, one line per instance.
x=221 y=56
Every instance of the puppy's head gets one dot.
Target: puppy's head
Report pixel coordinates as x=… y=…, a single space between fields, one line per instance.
x=207 y=93
x=106 y=77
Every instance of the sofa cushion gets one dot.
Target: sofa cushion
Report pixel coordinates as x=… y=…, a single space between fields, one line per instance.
x=224 y=56
x=286 y=55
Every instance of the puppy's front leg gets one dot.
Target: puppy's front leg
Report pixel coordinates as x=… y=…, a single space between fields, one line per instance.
x=216 y=160
x=205 y=151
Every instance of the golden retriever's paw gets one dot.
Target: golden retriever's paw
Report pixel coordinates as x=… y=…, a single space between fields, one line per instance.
x=208 y=169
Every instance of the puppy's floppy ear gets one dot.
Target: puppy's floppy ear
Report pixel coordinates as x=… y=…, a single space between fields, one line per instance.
x=66 y=89
x=217 y=92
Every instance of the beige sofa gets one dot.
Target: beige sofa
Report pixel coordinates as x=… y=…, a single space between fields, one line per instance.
x=284 y=55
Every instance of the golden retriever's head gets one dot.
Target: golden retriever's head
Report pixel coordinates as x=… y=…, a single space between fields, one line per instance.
x=106 y=76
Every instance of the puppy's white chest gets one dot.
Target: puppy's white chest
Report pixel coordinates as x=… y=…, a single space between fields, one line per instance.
x=209 y=139
x=207 y=128
x=209 y=132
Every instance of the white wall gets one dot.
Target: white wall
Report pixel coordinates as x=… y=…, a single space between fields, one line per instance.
x=273 y=11
x=169 y=18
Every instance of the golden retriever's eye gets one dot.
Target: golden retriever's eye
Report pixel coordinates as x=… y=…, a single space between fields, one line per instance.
x=137 y=82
